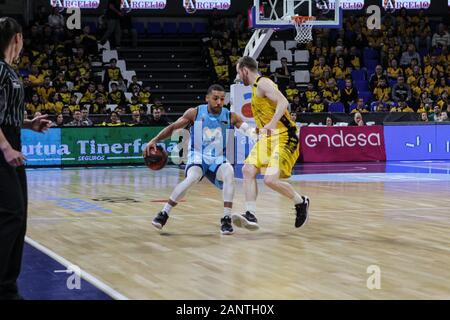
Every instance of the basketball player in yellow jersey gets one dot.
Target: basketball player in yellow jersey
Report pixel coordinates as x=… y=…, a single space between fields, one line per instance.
x=275 y=153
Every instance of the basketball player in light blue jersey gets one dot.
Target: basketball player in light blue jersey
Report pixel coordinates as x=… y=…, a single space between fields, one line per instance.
x=207 y=152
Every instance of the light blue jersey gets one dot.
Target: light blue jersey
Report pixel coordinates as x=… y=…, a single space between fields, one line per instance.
x=208 y=140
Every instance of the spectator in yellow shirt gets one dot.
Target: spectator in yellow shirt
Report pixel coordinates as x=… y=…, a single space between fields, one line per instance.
x=134 y=105
x=316 y=53
x=72 y=73
x=101 y=91
x=35 y=105
x=382 y=92
x=323 y=81
x=144 y=95
x=354 y=58
x=89 y=96
x=433 y=78
x=414 y=77
x=434 y=64
x=36 y=78
x=46 y=89
x=402 y=107
x=291 y=91
x=421 y=86
x=317 y=105
x=53 y=105
x=410 y=69
x=310 y=93
x=441 y=86
x=360 y=106
x=393 y=71
x=222 y=71
x=59 y=81
x=73 y=105
x=318 y=70
x=331 y=93
x=443 y=100
x=112 y=72
x=341 y=71
x=116 y=96
x=424 y=100
x=64 y=95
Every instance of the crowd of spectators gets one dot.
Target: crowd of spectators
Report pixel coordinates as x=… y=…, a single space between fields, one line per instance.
x=56 y=67
x=404 y=67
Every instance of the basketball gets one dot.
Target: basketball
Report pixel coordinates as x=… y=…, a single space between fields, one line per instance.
x=157 y=159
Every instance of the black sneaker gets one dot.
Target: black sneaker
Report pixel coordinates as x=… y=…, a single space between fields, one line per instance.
x=226 y=227
x=247 y=220
x=160 y=220
x=302 y=212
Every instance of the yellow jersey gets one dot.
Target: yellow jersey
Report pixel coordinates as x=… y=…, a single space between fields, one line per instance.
x=263 y=110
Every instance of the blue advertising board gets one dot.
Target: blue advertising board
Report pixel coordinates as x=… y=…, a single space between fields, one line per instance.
x=417 y=142
x=42 y=149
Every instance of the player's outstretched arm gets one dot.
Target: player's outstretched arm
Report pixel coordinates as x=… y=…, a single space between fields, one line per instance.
x=187 y=118
x=243 y=126
x=268 y=90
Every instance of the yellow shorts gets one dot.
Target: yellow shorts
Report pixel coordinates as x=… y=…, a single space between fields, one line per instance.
x=279 y=151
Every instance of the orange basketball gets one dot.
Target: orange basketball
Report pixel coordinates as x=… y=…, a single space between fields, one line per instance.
x=157 y=158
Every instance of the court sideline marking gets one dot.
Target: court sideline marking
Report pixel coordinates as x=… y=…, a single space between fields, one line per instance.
x=84 y=275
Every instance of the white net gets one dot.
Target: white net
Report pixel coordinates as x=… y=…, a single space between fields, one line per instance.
x=304 y=27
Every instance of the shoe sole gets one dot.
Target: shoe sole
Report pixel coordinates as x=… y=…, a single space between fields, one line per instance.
x=226 y=233
x=307 y=214
x=157 y=225
x=240 y=222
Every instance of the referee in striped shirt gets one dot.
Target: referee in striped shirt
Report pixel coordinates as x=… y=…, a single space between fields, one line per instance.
x=13 y=183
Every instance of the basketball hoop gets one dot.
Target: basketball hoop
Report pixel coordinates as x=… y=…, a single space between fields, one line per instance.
x=304 y=27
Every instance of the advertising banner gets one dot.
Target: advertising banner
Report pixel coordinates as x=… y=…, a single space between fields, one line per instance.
x=241 y=97
x=207 y=4
x=417 y=142
x=125 y=4
x=89 y=146
x=407 y=4
x=42 y=149
x=348 y=4
x=340 y=144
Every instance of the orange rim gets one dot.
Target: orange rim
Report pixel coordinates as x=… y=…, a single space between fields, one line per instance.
x=302 y=19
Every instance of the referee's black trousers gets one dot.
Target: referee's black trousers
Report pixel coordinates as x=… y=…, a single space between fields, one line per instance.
x=13 y=224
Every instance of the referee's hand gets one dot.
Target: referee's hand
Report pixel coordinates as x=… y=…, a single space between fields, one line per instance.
x=40 y=124
x=13 y=157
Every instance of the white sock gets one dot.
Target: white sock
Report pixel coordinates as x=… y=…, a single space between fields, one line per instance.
x=297 y=198
x=250 y=206
x=226 y=212
x=167 y=208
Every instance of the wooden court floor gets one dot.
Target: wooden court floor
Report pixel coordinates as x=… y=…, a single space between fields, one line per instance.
x=100 y=220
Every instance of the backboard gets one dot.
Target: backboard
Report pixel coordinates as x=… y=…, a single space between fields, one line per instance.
x=276 y=14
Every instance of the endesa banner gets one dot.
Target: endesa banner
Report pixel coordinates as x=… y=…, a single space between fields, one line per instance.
x=340 y=144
